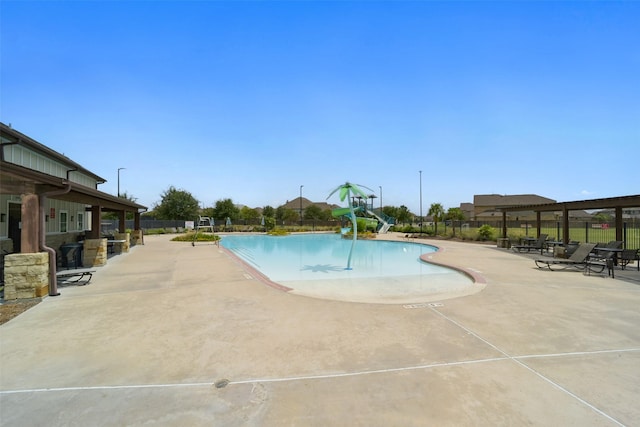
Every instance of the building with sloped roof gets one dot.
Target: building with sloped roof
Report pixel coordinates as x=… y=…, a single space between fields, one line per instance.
x=303 y=203
x=47 y=200
x=486 y=206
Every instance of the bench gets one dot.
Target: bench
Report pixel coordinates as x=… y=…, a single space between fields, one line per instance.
x=75 y=275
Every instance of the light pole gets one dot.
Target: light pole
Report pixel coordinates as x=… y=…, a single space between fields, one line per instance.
x=421 y=202
x=119 y=169
x=301 y=205
x=380 y=198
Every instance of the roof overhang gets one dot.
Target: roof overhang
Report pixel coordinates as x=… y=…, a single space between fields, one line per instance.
x=10 y=136
x=15 y=179
x=607 y=203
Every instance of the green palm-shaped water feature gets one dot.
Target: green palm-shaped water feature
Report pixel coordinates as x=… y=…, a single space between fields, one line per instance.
x=346 y=190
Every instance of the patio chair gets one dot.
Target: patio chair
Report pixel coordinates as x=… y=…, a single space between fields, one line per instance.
x=538 y=245
x=628 y=256
x=601 y=258
x=578 y=259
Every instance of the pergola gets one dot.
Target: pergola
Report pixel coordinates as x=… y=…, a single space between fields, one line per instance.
x=615 y=203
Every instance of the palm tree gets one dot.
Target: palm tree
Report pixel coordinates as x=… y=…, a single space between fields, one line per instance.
x=437 y=212
x=345 y=193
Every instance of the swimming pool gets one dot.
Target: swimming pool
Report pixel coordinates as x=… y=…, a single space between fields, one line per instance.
x=382 y=271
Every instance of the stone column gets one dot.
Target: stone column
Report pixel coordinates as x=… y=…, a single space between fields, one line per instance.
x=26 y=275
x=94 y=253
x=137 y=238
x=122 y=247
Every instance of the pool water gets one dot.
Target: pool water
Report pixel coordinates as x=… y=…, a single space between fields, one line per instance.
x=315 y=265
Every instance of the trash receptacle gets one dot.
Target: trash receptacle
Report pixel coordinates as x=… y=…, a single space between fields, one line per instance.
x=503 y=242
x=559 y=252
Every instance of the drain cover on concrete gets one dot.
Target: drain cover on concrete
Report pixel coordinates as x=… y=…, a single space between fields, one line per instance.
x=221 y=383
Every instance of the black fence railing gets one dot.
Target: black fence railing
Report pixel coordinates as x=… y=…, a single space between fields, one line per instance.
x=111 y=225
x=579 y=231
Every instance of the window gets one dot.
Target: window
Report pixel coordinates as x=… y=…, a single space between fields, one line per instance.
x=63 y=221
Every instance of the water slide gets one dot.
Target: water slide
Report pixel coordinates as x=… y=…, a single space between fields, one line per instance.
x=385 y=225
x=337 y=213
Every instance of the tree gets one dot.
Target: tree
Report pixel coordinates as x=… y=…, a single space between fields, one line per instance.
x=208 y=212
x=602 y=217
x=226 y=209
x=291 y=216
x=455 y=214
x=436 y=211
x=249 y=214
x=286 y=215
x=325 y=215
x=269 y=212
x=177 y=204
x=313 y=212
x=403 y=215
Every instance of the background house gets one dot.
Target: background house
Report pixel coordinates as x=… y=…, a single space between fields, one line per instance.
x=486 y=206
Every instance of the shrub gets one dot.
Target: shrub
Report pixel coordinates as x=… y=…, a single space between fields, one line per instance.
x=202 y=237
x=278 y=232
x=269 y=223
x=485 y=232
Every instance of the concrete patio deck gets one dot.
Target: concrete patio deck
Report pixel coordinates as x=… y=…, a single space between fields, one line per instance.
x=171 y=334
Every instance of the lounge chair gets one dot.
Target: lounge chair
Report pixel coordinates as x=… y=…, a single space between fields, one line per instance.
x=538 y=245
x=578 y=259
x=74 y=276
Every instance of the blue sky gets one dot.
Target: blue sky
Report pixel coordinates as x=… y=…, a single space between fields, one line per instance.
x=251 y=99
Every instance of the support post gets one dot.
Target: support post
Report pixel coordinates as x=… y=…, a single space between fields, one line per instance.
x=565 y=225
x=30 y=243
x=96 y=219
x=122 y=216
x=619 y=224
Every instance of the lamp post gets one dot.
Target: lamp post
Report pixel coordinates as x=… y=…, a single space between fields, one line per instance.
x=301 y=205
x=421 y=202
x=119 y=169
x=380 y=198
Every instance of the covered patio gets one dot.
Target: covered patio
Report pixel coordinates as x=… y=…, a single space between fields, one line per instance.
x=38 y=185
x=615 y=203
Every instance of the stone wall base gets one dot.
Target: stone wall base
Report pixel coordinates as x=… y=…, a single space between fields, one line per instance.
x=121 y=248
x=137 y=238
x=94 y=253
x=26 y=275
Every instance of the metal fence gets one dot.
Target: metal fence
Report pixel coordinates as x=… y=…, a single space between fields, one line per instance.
x=579 y=231
x=111 y=225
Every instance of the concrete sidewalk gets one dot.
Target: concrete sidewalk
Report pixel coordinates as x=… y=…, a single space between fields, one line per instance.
x=171 y=334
